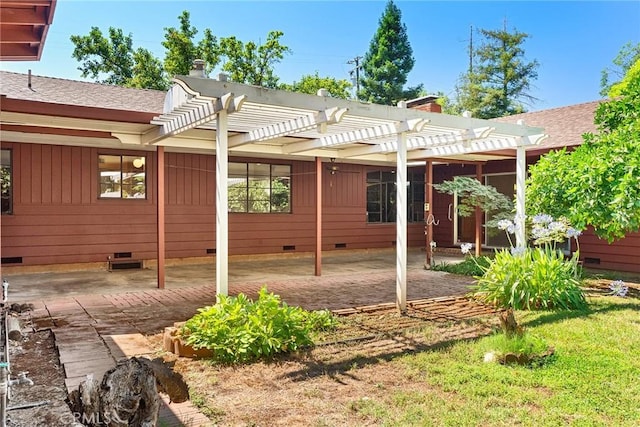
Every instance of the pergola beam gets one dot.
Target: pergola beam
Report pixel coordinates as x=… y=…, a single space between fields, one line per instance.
x=349 y=137
x=289 y=127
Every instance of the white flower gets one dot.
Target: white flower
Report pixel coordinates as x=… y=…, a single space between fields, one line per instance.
x=465 y=248
x=618 y=288
x=572 y=232
x=542 y=219
x=505 y=224
x=517 y=251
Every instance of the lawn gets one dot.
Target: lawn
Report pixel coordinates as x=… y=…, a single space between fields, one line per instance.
x=433 y=374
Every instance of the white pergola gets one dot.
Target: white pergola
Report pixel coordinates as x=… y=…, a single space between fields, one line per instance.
x=254 y=121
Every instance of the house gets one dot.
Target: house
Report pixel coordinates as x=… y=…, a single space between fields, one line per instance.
x=23 y=28
x=95 y=174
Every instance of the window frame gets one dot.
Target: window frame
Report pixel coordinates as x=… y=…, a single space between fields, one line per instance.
x=387 y=202
x=247 y=178
x=122 y=171
x=9 y=211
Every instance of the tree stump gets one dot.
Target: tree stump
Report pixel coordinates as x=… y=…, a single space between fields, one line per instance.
x=127 y=395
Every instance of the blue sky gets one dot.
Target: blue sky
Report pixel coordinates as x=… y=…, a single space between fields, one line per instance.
x=573 y=41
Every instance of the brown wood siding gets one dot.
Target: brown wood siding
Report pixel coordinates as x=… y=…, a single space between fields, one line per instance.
x=623 y=254
x=58 y=217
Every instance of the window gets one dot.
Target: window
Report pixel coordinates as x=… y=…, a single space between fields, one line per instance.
x=122 y=177
x=259 y=188
x=381 y=196
x=7 y=183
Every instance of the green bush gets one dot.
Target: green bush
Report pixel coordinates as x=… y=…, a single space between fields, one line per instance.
x=470 y=266
x=238 y=329
x=538 y=278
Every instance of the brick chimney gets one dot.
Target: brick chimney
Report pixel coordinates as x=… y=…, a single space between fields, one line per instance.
x=425 y=103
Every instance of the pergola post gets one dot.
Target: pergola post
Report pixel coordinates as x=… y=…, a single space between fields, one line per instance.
x=478 y=217
x=222 y=205
x=401 y=223
x=160 y=199
x=428 y=212
x=521 y=175
x=318 y=253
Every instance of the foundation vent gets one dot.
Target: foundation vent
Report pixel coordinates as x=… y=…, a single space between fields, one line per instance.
x=12 y=260
x=340 y=245
x=289 y=248
x=125 y=265
x=588 y=260
x=211 y=251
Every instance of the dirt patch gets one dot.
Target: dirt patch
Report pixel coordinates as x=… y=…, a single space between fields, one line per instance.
x=44 y=401
x=330 y=383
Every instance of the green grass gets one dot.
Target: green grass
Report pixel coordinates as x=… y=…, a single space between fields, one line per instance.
x=594 y=380
x=469 y=266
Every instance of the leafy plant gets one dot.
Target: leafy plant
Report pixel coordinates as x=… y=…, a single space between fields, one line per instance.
x=238 y=329
x=524 y=344
x=537 y=278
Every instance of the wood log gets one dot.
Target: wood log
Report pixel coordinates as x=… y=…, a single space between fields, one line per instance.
x=14 y=329
x=127 y=394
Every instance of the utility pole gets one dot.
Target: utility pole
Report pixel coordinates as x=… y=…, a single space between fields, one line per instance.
x=471 y=50
x=356 y=70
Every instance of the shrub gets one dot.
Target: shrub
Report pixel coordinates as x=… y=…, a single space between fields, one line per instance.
x=537 y=278
x=238 y=329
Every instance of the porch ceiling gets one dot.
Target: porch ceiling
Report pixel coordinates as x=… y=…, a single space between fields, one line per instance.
x=284 y=124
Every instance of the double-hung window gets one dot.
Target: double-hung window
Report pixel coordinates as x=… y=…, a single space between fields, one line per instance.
x=122 y=177
x=259 y=188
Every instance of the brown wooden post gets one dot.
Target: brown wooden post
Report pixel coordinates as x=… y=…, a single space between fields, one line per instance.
x=428 y=212
x=478 y=215
x=160 y=214
x=318 y=254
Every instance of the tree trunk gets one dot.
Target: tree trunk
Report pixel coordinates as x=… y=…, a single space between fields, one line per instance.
x=509 y=325
x=127 y=395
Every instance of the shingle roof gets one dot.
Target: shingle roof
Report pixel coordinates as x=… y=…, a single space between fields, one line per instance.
x=84 y=94
x=564 y=125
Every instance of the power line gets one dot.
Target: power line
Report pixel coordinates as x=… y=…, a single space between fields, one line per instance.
x=356 y=70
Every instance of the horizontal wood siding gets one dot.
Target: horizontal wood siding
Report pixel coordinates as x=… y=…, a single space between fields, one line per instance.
x=623 y=254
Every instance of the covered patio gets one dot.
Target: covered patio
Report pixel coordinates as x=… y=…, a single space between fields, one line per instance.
x=254 y=121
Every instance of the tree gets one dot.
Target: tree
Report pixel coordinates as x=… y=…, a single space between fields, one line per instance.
x=499 y=79
x=182 y=50
x=113 y=61
x=628 y=55
x=253 y=63
x=311 y=83
x=388 y=61
x=597 y=184
x=472 y=193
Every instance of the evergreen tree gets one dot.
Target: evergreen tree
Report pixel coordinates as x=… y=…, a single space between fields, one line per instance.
x=388 y=62
x=498 y=83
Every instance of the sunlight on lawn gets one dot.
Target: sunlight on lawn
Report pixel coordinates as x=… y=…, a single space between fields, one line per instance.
x=594 y=380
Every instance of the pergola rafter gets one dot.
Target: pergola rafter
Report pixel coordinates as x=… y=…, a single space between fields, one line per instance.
x=309 y=126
